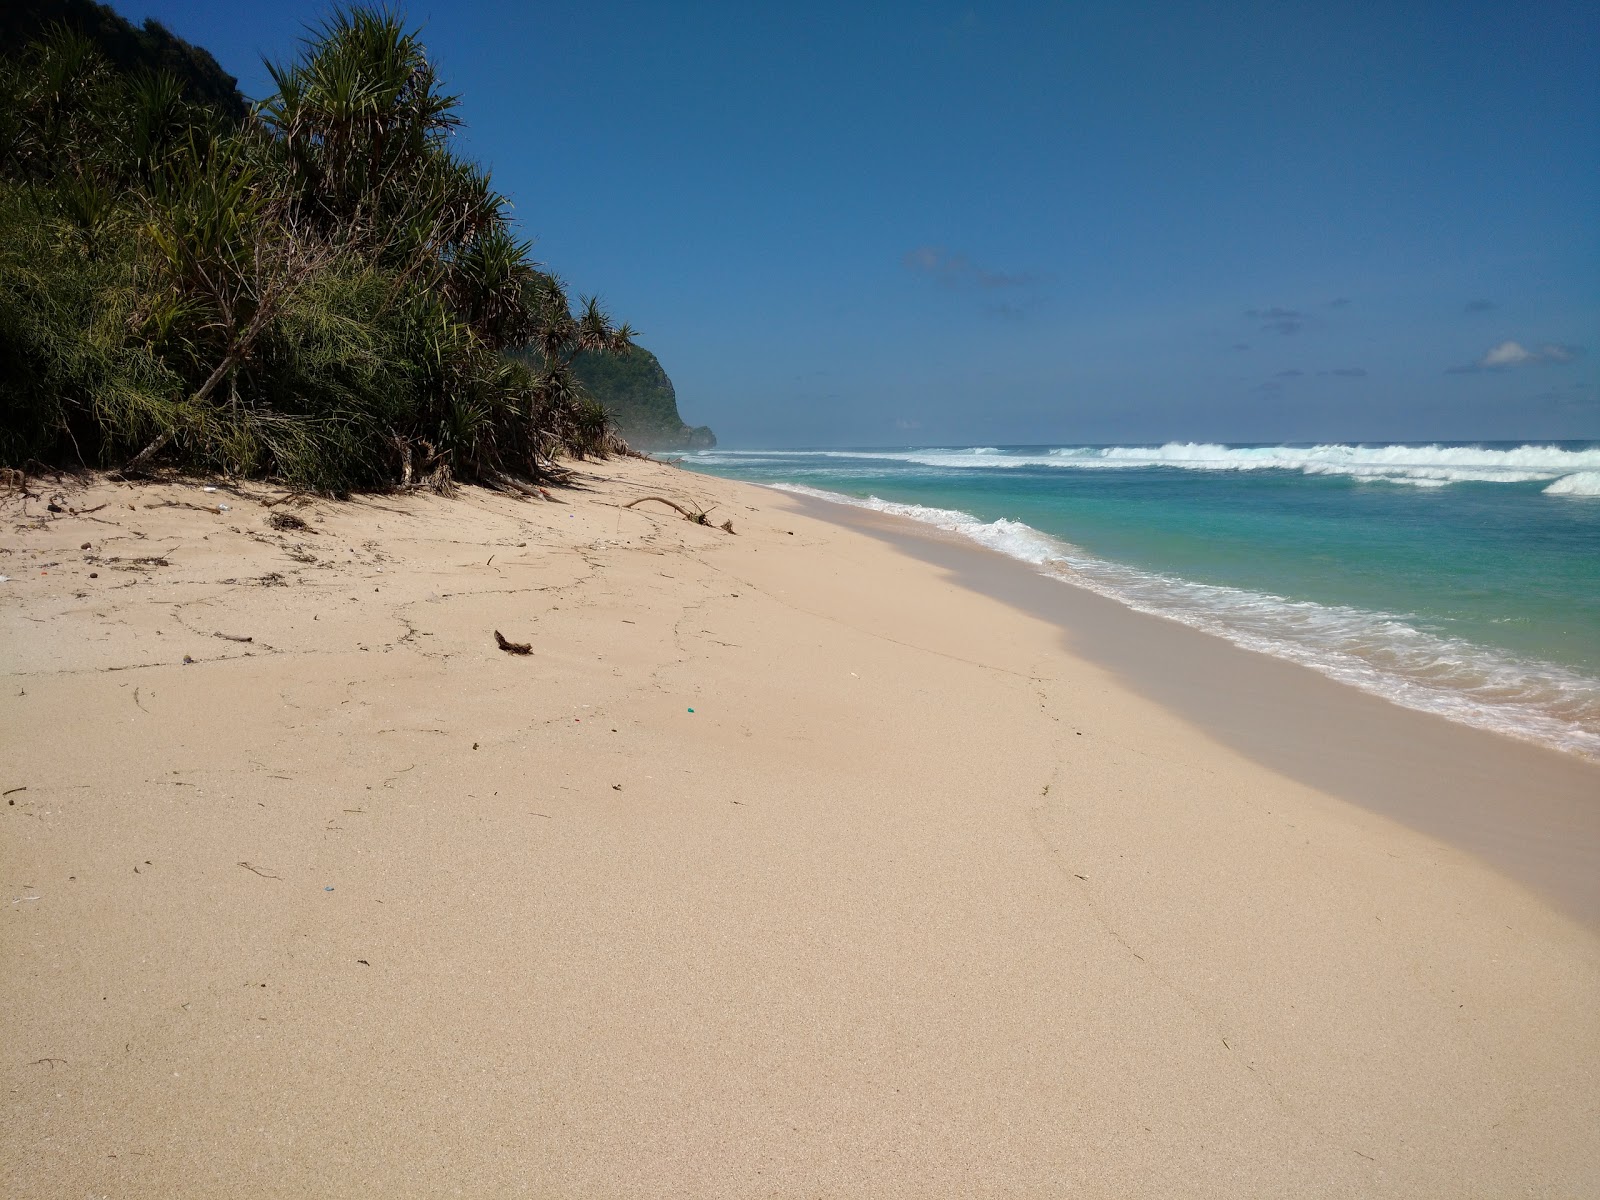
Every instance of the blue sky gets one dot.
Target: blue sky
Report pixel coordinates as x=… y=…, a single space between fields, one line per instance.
x=960 y=223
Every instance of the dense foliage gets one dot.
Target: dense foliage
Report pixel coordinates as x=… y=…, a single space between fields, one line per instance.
x=638 y=396
x=321 y=291
x=127 y=47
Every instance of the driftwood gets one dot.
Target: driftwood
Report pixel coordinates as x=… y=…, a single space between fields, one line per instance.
x=699 y=516
x=206 y=508
x=512 y=647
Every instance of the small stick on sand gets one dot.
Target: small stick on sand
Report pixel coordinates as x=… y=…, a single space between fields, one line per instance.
x=512 y=647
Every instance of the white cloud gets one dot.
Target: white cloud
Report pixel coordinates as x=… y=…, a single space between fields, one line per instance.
x=1515 y=354
x=1507 y=355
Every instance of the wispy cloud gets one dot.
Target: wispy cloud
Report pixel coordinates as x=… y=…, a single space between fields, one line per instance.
x=957 y=270
x=1278 y=381
x=1509 y=355
x=1283 y=321
x=1479 y=306
x=1006 y=312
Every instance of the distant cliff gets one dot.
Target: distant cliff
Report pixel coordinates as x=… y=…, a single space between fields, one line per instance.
x=639 y=396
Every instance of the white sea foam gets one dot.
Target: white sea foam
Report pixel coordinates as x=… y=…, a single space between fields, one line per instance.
x=1579 y=483
x=1572 y=471
x=1378 y=652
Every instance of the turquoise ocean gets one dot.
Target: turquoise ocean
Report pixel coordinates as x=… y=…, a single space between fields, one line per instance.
x=1461 y=579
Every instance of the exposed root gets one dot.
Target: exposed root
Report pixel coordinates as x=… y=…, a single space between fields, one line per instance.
x=507 y=483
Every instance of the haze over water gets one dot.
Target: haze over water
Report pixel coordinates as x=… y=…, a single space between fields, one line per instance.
x=1457 y=578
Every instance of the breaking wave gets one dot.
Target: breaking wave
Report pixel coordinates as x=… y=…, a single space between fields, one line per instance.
x=1570 y=472
x=1579 y=483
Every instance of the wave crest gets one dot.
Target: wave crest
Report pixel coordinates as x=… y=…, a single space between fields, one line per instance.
x=1579 y=483
x=1416 y=466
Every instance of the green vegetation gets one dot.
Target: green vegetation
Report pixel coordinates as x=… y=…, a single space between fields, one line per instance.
x=317 y=290
x=639 y=397
x=126 y=48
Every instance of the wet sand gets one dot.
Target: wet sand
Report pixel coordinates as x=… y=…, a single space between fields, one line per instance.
x=1532 y=812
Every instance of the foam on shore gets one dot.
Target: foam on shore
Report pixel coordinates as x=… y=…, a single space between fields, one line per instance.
x=1378 y=652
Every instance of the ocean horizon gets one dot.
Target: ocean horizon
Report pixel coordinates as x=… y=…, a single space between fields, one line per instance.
x=1457 y=578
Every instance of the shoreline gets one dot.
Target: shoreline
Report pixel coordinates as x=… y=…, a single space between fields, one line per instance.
x=1549 y=697
x=1527 y=809
x=785 y=863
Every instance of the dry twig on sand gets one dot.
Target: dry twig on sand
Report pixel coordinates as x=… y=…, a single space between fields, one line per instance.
x=512 y=647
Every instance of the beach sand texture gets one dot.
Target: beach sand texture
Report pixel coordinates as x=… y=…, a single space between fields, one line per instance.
x=784 y=865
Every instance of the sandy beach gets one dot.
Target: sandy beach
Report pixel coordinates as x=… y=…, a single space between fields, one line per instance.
x=818 y=858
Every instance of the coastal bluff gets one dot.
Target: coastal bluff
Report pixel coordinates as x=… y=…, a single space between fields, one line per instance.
x=637 y=394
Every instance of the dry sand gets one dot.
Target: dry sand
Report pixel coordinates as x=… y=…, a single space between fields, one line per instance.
x=919 y=900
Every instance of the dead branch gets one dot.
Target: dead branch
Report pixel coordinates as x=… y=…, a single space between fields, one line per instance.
x=684 y=512
x=206 y=508
x=695 y=516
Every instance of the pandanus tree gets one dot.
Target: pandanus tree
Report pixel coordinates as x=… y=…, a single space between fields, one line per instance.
x=324 y=291
x=362 y=126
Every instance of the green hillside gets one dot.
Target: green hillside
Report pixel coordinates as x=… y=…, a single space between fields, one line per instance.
x=639 y=397
x=323 y=291
x=128 y=48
